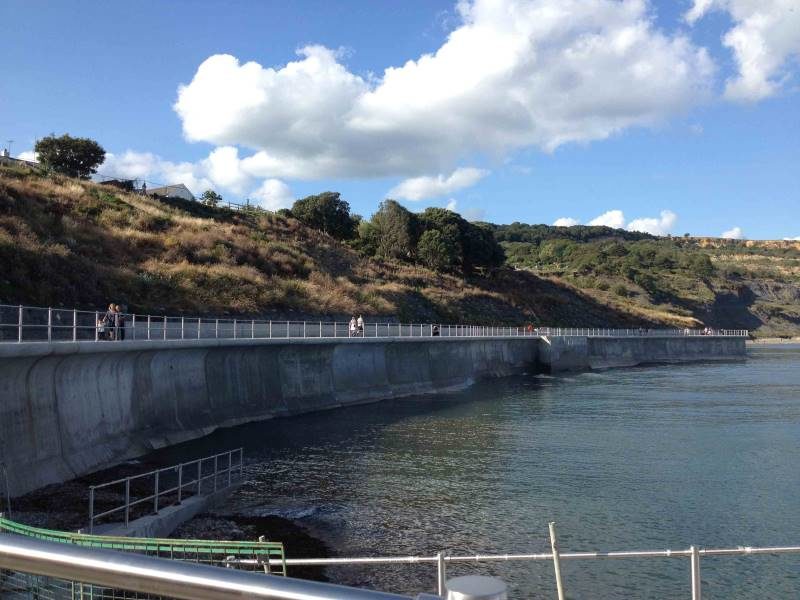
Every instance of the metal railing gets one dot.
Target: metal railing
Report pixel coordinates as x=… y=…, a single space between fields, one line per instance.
x=441 y=560
x=36 y=324
x=128 y=575
x=170 y=486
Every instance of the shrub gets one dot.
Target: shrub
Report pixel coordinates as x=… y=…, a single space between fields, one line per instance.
x=621 y=290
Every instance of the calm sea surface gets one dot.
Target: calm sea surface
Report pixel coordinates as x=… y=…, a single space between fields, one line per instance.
x=645 y=458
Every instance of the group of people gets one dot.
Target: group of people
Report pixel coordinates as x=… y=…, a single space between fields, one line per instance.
x=112 y=324
x=357 y=327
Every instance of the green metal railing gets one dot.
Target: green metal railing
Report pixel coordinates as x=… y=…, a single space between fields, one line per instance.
x=254 y=556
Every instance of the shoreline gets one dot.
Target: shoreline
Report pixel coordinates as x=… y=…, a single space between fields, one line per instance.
x=773 y=341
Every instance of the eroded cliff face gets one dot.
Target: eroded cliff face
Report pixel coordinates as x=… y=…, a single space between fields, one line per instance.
x=764 y=306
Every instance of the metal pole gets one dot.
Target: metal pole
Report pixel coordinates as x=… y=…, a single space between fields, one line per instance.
x=556 y=560
x=199 y=323
x=234 y=329
x=441 y=575
x=91 y=508
x=180 y=482
x=127 y=501
x=182 y=327
x=696 y=593
x=216 y=328
x=19 y=332
x=270 y=329
x=164 y=326
x=252 y=329
x=155 y=499
x=148 y=327
x=74 y=325
x=49 y=324
x=96 y=330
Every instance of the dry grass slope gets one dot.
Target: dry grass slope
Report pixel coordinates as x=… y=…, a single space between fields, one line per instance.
x=65 y=242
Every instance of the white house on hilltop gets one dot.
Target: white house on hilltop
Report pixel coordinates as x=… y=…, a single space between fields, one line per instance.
x=172 y=191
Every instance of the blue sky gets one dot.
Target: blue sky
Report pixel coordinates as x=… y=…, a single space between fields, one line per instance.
x=519 y=113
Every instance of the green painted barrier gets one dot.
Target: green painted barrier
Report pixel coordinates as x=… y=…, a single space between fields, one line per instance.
x=241 y=555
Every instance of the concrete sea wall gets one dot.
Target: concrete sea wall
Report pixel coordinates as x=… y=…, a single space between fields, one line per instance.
x=67 y=409
x=581 y=353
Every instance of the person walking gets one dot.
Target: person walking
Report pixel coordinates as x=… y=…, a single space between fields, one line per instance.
x=360 y=324
x=119 y=323
x=353 y=326
x=106 y=325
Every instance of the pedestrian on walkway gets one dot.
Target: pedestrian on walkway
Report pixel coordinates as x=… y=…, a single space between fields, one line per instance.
x=360 y=324
x=353 y=326
x=119 y=322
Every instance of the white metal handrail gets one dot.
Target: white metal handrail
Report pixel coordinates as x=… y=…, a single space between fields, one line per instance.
x=37 y=324
x=230 y=469
x=162 y=577
x=441 y=559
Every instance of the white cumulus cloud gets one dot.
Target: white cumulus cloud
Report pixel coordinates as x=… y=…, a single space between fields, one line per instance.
x=28 y=155
x=420 y=188
x=566 y=222
x=512 y=74
x=655 y=226
x=611 y=218
x=764 y=39
x=735 y=233
x=273 y=194
x=792 y=239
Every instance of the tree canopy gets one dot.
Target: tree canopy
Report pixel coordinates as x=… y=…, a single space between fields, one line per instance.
x=211 y=198
x=75 y=157
x=326 y=212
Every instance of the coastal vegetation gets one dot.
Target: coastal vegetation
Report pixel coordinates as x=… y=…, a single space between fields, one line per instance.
x=72 y=242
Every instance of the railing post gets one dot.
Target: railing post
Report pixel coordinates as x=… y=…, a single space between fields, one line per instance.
x=696 y=591
x=252 y=329
x=74 y=325
x=556 y=560
x=127 y=501
x=270 y=329
x=441 y=575
x=216 y=328
x=216 y=456
x=183 y=325
x=148 y=328
x=19 y=321
x=155 y=495
x=164 y=326
x=180 y=482
x=49 y=324
x=199 y=323
x=304 y=329
x=91 y=508
x=320 y=329
x=234 y=329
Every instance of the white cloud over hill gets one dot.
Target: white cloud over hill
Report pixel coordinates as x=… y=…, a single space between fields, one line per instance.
x=764 y=39
x=515 y=73
x=661 y=225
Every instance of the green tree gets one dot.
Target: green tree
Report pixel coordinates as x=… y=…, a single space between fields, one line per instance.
x=393 y=231
x=439 y=250
x=211 y=198
x=326 y=212
x=75 y=157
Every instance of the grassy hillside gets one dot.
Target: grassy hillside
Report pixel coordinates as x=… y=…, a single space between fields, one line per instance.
x=67 y=242
x=73 y=243
x=724 y=283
